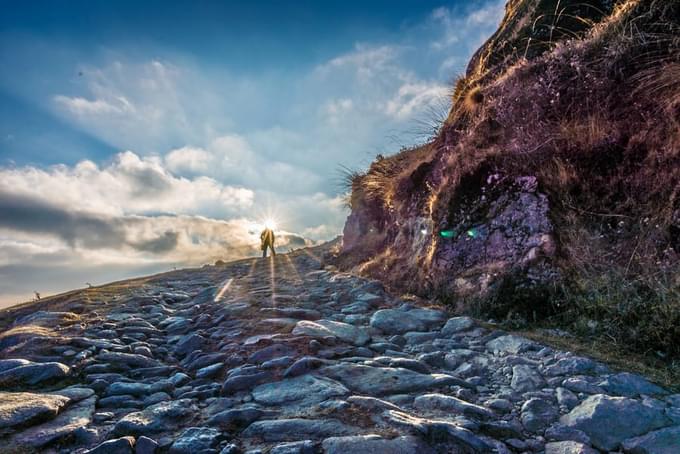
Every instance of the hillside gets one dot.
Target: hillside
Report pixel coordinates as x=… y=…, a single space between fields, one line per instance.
x=550 y=192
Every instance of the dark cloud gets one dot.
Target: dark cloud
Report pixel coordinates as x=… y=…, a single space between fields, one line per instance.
x=164 y=243
x=28 y=214
x=31 y=215
x=293 y=240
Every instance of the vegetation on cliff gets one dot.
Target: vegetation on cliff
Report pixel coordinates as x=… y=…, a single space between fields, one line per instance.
x=551 y=193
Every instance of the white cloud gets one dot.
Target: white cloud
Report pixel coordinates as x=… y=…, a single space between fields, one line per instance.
x=128 y=184
x=413 y=98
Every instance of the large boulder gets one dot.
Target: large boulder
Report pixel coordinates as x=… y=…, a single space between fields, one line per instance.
x=610 y=420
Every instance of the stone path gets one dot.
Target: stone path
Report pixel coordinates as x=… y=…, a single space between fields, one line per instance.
x=281 y=357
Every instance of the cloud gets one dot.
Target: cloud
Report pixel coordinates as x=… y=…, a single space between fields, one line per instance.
x=127 y=184
x=81 y=106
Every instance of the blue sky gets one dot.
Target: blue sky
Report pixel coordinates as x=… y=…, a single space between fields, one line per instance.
x=160 y=134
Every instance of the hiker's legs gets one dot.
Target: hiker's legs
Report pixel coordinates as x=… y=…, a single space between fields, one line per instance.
x=271 y=246
x=264 y=252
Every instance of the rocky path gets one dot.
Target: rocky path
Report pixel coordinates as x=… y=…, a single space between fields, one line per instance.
x=281 y=357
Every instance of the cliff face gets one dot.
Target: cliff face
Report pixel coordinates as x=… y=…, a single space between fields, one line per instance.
x=559 y=157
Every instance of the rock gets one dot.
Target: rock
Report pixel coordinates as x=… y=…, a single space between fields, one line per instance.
x=296 y=428
x=537 y=414
x=442 y=431
x=573 y=365
x=156 y=418
x=210 y=371
x=122 y=445
x=325 y=328
x=631 y=385
x=663 y=441
x=128 y=359
x=375 y=444
x=127 y=388
x=180 y=379
x=510 y=344
x=7 y=364
x=558 y=432
x=397 y=321
x=580 y=385
x=74 y=393
x=610 y=420
x=244 y=382
x=303 y=366
x=385 y=380
x=457 y=324
x=526 y=378
x=566 y=398
x=195 y=440
x=188 y=344
x=304 y=390
x=450 y=404
x=21 y=409
x=74 y=417
x=500 y=405
x=372 y=404
x=236 y=417
x=33 y=373
x=295 y=447
x=145 y=445
x=568 y=447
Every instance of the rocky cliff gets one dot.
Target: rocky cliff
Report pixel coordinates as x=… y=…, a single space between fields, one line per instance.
x=553 y=181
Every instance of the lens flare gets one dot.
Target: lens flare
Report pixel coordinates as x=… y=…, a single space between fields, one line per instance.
x=269 y=224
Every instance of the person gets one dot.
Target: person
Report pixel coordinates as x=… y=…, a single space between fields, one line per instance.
x=267 y=239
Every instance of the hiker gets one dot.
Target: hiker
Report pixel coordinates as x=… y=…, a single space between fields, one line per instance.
x=267 y=241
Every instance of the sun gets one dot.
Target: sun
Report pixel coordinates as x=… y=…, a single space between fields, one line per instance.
x=270 y=223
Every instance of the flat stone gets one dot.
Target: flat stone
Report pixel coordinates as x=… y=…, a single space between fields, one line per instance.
x=127 y=388
x=398 y=321
x=294 y=447
x=568 y=447
x=526 y=378
x=121 y=445
x=457 y=324
x=573 y=365
x=325 y=328
x=159 y=417
x=376 y=445
x=129 y=359
x=195 y=440
x=68 y=421
x=238 y=383
x=630 y=385
x=510 y=344
x=237 y=417
x=7 y=364
x=443 y=431
x=296 y=428
x=303 y=390
x=21 y=409
x=33 y=373
x=385 y=380
x=446 y=403
x=610 y=420
x=663 y=441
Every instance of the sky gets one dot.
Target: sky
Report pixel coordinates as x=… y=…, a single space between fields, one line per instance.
x=140 y=136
